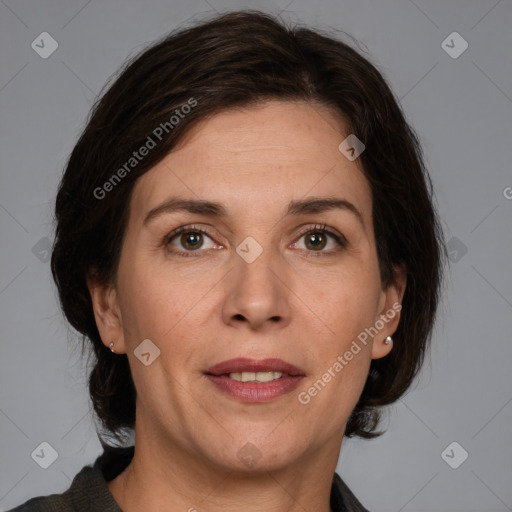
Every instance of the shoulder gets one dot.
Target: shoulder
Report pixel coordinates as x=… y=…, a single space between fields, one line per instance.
x=342 y=498
x=83 y=484
x=88 y=491
x=52 y=503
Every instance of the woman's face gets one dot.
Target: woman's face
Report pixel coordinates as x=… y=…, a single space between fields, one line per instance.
x=252 y=286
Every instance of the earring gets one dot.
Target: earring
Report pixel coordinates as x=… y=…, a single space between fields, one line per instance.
x=388 y=340
x=111 y=347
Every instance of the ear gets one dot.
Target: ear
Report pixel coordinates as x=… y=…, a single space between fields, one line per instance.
x=107 y=314
x=390 y=305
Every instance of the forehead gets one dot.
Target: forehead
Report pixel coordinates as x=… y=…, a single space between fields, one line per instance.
x=258 y=158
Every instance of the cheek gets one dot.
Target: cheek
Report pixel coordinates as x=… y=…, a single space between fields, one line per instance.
x=346 y=300
x=153 y=299
x=173 y=311
x=333 y=391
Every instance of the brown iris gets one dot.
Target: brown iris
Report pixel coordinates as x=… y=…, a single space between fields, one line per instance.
x=192 y=240
x=315 y=241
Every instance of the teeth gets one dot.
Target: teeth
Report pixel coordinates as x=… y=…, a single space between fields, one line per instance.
x=255 y=376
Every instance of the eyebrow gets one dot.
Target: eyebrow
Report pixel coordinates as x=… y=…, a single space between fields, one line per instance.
x=213 y=209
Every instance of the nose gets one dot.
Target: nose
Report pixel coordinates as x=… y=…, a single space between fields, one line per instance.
x=257 y=296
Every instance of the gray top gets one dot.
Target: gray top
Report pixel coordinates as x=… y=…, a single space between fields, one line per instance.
x=89 y=492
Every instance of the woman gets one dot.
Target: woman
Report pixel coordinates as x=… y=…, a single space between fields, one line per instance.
x=246 y=236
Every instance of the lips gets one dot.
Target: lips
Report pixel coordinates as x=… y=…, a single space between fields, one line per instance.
x=254 y=381
x=242 y=364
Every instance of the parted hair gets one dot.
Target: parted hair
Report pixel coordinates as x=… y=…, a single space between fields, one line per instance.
x=235 y=60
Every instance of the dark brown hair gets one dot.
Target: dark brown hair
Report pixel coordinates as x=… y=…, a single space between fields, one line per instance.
x=237 y=60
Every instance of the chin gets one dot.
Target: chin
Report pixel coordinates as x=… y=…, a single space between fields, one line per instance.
x=253 y=453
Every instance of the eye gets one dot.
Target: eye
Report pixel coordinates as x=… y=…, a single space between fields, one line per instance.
x=319 y=237
x=188 y=239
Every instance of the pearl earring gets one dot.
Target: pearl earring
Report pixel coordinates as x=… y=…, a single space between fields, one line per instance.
x=388 y=340
x=111 y=347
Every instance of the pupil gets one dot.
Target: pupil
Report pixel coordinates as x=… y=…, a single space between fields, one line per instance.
x=316 y=241
x=191 y=240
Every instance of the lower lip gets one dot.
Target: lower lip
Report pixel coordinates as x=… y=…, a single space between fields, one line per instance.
x=253 y=391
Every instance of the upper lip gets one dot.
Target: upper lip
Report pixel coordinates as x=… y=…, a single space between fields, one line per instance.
x=243 y=364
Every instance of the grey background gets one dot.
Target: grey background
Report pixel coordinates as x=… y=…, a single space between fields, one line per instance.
x=461 y=109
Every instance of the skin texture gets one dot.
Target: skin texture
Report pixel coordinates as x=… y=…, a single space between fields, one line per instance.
x=297 y=302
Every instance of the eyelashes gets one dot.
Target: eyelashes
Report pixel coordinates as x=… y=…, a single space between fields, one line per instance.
x=324 y=230
x=322 y=234
x=186 y=230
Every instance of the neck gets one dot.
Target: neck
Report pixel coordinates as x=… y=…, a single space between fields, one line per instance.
x=171 y=478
